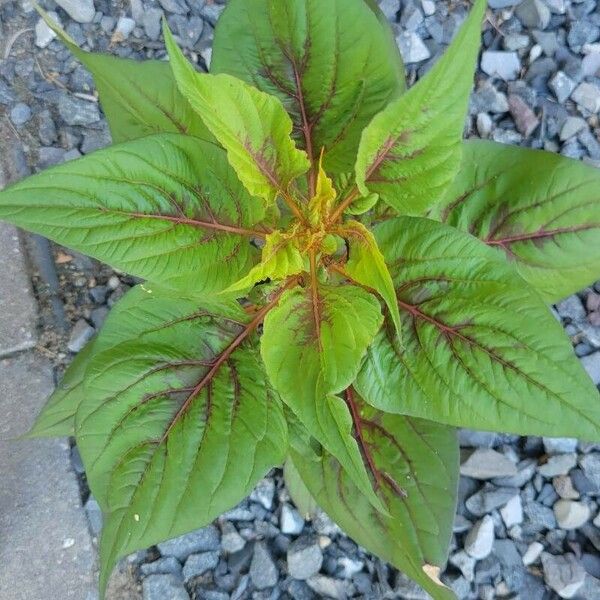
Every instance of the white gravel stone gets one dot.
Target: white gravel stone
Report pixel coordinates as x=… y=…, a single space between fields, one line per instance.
x=124 y=27
x=43 y=34
x=570 y=514
x=412 y=47
x=587 y=95
x=465 y=564
x=564 y=487
x=512 y=512
x=82 y=333
x=484 y=125
x=82 y=11
x=290 y=521
x=562 y=86
x=263 y=493
x=479 y=541
x=505 y=65
x=559 y=445
x=486 y=463
x=532 y=553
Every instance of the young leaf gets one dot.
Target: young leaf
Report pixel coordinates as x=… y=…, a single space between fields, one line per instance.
x=322 y=202
x=281 y=257
x=366 y=265
x=481 y=348
x=417 y=465
x=139 y=98
x=332 y=66
x=166 y=208
x=178 y=422
x=313 y=344
x=539 y=209
x=252 y=126
x=410 y=152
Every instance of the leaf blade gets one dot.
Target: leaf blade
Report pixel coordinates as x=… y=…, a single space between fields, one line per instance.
x=416 y=140
x=165 y=208
x=181 y=415
x=252 y=126
x=481 y=348
x=329 y=345
x=331 y=84
x=415 y=533
x=548 y=227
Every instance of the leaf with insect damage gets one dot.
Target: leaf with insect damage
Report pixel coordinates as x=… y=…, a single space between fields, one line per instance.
x=178 y=421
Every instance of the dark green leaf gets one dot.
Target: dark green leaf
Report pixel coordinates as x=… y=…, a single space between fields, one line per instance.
x=334 y=66
x=410 y=152
x=481 y=348
x=178 y=422
x=416 y=462
x=539 y=209
x=166 y=208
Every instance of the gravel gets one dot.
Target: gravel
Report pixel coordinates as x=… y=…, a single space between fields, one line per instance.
x=521 y=499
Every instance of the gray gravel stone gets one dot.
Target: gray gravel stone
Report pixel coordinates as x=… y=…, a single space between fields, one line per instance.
x=390 y=9
x=562 y=86
x=124 y=27
x=465 y=564
x=263 y=570
x=587 y=95
x=571 y=127
x=532 y=554
x=81 y=334
x=512 y=512
x=559 y=464
x=525 y=119
x=571 y=308
x=152 y=22
x=231 y=540
x=197 y=564
x=489 y=498
x=20 y=114
x=485 y=463
x=163 y=566
x=538 y=517
x=82 y=11
x=591 y=364
x=202 y=540
x=590 y=464
x=563 y=574
x=534 y=14
x=304 y=557
x=164 y=587
x=505 y=65
x=480 y=539
x=75 y=111
x=327 y=587
x=559 y=445
x=94 y=515
x=178 y=7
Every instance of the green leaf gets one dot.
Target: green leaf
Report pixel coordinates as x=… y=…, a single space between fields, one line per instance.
x=139 y=98
x=417 y=465
x=410 y=152
x=366 y=265
x=166 y=208
x=299 y=493
x=481 y=348
x=333 y=68
x=57 y=417
x=313 y=344
x=281 y=257
x=252 y=126
x=178 y=422
x=539 y=209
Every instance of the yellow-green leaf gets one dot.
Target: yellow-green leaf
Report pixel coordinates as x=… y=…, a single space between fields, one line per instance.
x=252 y=126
